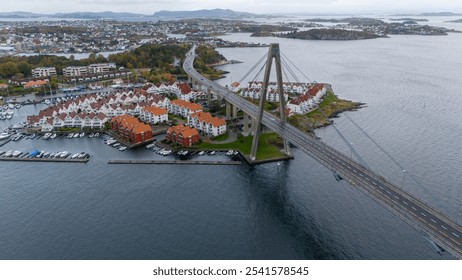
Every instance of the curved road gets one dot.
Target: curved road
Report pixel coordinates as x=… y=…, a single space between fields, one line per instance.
x=435 y=226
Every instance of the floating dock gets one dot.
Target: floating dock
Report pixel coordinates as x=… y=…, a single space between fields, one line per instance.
x=70 y=160
x=183 y=162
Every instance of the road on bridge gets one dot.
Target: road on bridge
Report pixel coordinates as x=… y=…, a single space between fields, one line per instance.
x=435 y=226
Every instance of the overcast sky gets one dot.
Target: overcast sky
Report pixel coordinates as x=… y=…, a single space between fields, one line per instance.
x=254 y=6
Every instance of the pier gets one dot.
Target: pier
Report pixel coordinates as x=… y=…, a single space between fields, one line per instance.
x=170 y=162
x=68 y=160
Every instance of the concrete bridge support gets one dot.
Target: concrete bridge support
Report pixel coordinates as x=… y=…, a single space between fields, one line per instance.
x=245 y=128
x=272 y=53
x=235 y=111
x=228 y=110
x=231 y=111
x=209 y=95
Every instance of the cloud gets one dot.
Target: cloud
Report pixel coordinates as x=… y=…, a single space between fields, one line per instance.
x=256 y=6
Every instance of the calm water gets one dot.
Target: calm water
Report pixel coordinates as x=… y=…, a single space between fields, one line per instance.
x=293 y=211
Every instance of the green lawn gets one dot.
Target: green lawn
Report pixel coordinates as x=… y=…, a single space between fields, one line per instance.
x=222 y=137
x=266 y=150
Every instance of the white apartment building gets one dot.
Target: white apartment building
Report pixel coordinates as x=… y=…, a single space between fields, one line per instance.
x=43 y=72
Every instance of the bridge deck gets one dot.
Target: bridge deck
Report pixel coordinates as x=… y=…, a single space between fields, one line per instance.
x=436 y=226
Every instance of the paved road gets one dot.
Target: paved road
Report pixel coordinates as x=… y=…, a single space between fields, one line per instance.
x=434 y=225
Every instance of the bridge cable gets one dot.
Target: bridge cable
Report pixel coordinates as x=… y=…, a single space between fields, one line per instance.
x=252 y=69
x=284 y=63
x=384 y=151
x=353 y=150
x=293 y=64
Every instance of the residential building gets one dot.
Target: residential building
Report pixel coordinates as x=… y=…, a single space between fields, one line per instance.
x=35 y=84
x=44 y=72
x=73 y=71
x=131 y=130
x=101 y=68
x=182 y=135
x=183 y=108
x=205 y=123
x=153 y=115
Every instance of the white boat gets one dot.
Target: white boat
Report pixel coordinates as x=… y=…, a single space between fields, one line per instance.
x=17 y=106
x=82 y=155
x=230 y=153
x=116 y=145
x=212 y=153
x=10 y=106
x=53 y=136
x=64 y=154
x=47 y=101
x=74 y=156
x=82 y=134
x=4 y=135
x=16 y=153
x=9 y=115
x=201 y=153
x=8 y=154
x=46 y=136
x=110 y=142
x=123 y=148
x=166 y=153
x=149 y=146
x=76 y=135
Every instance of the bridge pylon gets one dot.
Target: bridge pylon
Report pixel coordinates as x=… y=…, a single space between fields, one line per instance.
x=273 y=53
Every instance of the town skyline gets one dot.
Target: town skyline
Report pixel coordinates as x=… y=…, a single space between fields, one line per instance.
x=257 y=6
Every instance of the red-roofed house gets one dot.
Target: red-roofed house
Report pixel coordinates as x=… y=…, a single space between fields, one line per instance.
x=131 y=130
x=153 y=115
x=183 y=135
x=183 y=108
x=207 y=124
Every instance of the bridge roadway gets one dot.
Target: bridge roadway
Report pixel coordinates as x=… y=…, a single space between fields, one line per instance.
x=435 y=226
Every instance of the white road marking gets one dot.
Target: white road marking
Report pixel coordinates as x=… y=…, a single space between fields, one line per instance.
x=433 y=221
x=405 y=202
x=374 y=183
x=431 y=226
x=396 y=197
x=455 y=234
x=413 y=208
x=423 y=214
x=455 y=241
x=444 y=227
x=443 y=233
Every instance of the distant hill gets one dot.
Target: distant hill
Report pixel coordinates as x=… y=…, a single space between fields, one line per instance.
x=214 y=13
x=440 y=14
x=77 y=15
x=21 y=15
x=98 y=15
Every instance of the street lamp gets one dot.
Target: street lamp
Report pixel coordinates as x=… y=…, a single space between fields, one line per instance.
x=404 y=175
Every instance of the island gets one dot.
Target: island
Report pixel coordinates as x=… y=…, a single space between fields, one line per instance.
x=330 y=34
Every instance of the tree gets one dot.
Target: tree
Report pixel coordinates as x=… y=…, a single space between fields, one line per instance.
x=8 y=69
x=54 y=82
x=25 y=68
